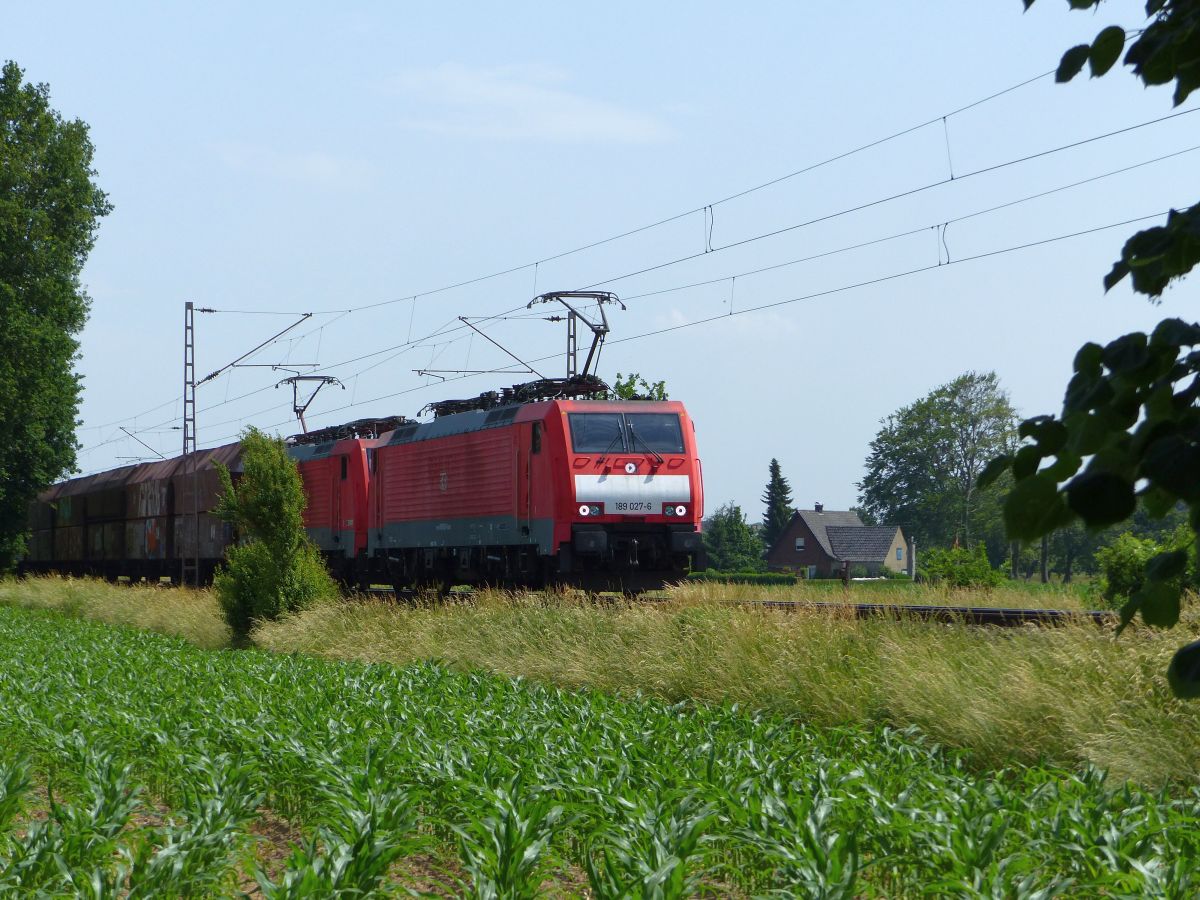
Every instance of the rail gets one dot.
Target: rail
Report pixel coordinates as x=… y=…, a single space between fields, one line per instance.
x=997 y=616
x=994 y=616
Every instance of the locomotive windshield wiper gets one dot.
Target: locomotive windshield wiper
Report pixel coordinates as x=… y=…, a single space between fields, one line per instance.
x=616 y=437
x=634 y=437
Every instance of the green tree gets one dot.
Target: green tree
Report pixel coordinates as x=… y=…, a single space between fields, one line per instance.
x=778 y=500
x=1131 y=409
x=924 y=463
x=1072 y=550
x=635 y=387
x=50 y=209
x=730 y=544
x=276 y=568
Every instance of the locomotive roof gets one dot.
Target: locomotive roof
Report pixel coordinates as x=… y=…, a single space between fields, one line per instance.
x=478 y=420
x=460 y=423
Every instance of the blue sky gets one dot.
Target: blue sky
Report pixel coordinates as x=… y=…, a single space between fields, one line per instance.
x=295 y=157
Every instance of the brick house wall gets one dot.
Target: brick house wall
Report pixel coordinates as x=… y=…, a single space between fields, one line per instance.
x=786 y=557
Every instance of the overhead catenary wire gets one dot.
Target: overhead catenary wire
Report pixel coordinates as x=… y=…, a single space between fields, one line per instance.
x=940 y=237
x=754 y=238
x=895 y=135
x=342 y=312
x=693 y=211
x=449 y=326
x=882 y=200
x=907 y=273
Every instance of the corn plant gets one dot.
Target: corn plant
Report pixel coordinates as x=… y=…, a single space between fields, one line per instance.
x=194 y=857
x=650 y=856
x=503 y=844
x=73 y=851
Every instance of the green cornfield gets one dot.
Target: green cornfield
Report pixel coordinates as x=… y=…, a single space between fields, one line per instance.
x=133 y=764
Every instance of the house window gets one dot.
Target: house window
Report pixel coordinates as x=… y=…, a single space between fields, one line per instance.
x=799 y=544
x=899 y=554
x=812 y=571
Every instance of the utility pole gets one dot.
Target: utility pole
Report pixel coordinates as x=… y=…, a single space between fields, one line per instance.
x=190 y=563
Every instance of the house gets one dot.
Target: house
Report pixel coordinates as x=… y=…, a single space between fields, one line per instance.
x=818 y=542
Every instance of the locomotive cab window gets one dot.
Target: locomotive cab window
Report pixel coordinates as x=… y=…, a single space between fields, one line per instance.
x=345 y=468
x=657 y=432
x=626 y=432
x=535 y=442
x=597 y=432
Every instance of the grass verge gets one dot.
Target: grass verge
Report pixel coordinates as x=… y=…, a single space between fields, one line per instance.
x=192 y=615
x=1070 y=695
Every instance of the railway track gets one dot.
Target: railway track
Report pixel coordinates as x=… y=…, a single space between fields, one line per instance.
x=996 y=616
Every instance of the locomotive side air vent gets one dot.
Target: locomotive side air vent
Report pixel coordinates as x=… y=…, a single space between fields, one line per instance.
x=506 y=414
x=403 y=434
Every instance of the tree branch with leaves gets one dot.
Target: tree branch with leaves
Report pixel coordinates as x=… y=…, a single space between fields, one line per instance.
x=1130 y=422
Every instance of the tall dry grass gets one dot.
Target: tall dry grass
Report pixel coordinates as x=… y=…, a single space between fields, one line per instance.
x=1022 y=595
x=179 y=612
x=1071 y=695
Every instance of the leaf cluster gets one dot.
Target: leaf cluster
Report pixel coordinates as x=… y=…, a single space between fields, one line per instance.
x=957 y=567
x=1131 y=412
x=1166 y=50
x=635 y=387
x=1150 y=382
x=923 y=463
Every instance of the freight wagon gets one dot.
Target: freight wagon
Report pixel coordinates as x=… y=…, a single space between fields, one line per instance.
x=135 y=521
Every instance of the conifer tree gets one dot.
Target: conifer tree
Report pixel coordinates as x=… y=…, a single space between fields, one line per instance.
x=778 y=499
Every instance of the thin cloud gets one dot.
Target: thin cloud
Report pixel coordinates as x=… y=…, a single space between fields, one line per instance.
x=311 y=167
x=517 y=103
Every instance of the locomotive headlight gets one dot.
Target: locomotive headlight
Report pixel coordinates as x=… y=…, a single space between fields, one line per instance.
x=668 y=510
x=585 y=510
x=681 y=510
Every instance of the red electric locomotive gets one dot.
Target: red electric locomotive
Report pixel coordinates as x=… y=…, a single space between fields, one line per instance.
x=600 y=494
